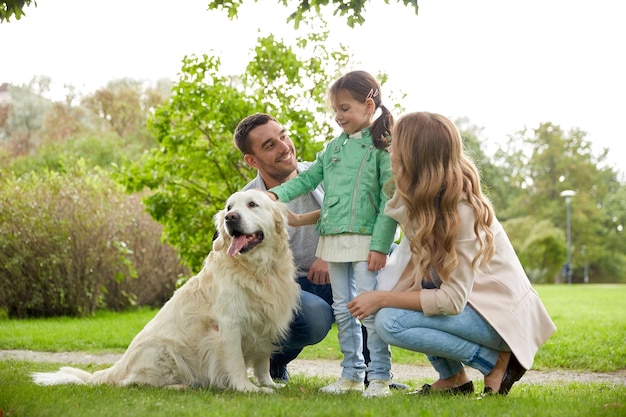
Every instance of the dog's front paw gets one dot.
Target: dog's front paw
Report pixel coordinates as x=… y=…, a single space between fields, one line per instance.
x=248 y=386
x=177 y=386
x=268 y=382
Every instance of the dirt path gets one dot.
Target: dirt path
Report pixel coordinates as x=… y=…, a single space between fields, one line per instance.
x=411 y=374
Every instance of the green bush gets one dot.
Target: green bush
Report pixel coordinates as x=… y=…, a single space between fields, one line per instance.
x=157 y=264
x=100 y=149
x=73 y=242
x=540 y=247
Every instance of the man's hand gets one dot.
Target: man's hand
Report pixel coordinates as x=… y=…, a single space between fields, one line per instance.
x=376 y=260
x=318 y=273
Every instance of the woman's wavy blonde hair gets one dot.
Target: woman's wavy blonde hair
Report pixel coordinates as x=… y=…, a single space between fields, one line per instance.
x=432 y=175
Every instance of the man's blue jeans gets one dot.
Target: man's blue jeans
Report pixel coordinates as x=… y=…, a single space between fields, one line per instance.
x=310 y=324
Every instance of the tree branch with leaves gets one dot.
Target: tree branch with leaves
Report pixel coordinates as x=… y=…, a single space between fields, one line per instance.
x=13 y=8
x=353 y=10
x=196 y=166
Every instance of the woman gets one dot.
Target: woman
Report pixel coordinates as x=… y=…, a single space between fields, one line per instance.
x=462 y=297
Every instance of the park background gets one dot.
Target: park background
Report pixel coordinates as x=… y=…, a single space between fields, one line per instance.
x=111 y=172
x=93 y=177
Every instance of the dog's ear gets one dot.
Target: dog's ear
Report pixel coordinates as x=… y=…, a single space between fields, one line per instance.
x=221 y=237
x=280 y=217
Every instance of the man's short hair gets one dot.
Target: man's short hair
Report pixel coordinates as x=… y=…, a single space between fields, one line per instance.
x=244 y=127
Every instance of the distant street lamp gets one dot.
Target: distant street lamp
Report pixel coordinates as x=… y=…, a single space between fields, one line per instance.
x=568 y=194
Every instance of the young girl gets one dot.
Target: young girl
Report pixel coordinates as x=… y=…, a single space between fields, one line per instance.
x=355 y=234
x=462 y=296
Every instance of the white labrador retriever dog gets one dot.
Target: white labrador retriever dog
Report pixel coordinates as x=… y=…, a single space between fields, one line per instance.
x=223 y=321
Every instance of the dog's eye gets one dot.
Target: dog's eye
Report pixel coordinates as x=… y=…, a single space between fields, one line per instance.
x=228 y=207
x=252 y=204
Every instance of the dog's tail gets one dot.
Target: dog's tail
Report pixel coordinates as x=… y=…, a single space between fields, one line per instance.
x=65 y=375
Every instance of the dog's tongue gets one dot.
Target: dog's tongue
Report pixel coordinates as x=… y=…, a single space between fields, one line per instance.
x=236 y=245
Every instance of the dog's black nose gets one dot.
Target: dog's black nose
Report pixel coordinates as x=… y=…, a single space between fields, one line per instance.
x=232 y=217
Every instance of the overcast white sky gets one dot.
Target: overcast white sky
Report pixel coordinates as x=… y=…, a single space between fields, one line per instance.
x=505 y=65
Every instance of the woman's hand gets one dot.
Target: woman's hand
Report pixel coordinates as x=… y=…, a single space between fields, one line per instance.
x=366 y=304
x=370 y=302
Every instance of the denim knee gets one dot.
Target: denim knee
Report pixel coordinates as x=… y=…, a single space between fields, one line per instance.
x=315 y=318
x=381 y=324
x=323 y=291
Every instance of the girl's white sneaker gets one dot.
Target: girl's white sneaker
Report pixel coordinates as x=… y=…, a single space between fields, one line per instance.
x=377 y=388
x=343 y=385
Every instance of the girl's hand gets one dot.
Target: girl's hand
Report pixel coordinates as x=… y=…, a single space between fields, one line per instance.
x=365 y=304
x=376 y=260
x=295 y=220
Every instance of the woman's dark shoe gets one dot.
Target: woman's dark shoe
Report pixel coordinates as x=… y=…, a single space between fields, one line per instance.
x=398 y=386
x=486 y=393
x=465 y=389
x=514 y=372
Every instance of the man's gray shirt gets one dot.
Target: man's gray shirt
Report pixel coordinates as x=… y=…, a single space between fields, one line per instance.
x=302 y=240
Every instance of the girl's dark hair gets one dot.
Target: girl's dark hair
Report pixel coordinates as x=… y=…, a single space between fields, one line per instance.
x=362 y=85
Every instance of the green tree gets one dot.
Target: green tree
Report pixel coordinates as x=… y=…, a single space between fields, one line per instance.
x=540 y=246
x=25 y=115
x=124 y=105
x=13 y=8
x=40 y=134
x=614 y=206
x=492 y=175
x=352 y=9
x=545 y=161
x=61 y=123
x=196 y=166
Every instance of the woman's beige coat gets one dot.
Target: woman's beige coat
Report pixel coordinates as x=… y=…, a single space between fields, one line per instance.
x=499 y=290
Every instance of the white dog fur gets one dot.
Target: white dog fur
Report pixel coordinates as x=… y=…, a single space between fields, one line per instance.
x=223 y=321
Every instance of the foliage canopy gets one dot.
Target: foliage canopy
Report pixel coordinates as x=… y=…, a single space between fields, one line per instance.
x=352 y=9
x=196 y=166
x=13 y=8
x=191 y=165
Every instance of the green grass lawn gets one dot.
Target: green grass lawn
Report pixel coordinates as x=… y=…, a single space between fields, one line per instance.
x=591 y=336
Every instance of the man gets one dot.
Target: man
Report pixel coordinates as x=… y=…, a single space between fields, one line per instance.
x=266 y=146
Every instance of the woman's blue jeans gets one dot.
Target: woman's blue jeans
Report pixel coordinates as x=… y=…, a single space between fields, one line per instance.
x=448 y=341
x=347 y=279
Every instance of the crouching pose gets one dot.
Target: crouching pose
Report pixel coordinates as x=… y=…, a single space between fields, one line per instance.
x=462 y=297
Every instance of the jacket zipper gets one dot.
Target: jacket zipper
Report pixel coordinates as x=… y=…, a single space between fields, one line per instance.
x=356 y=186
